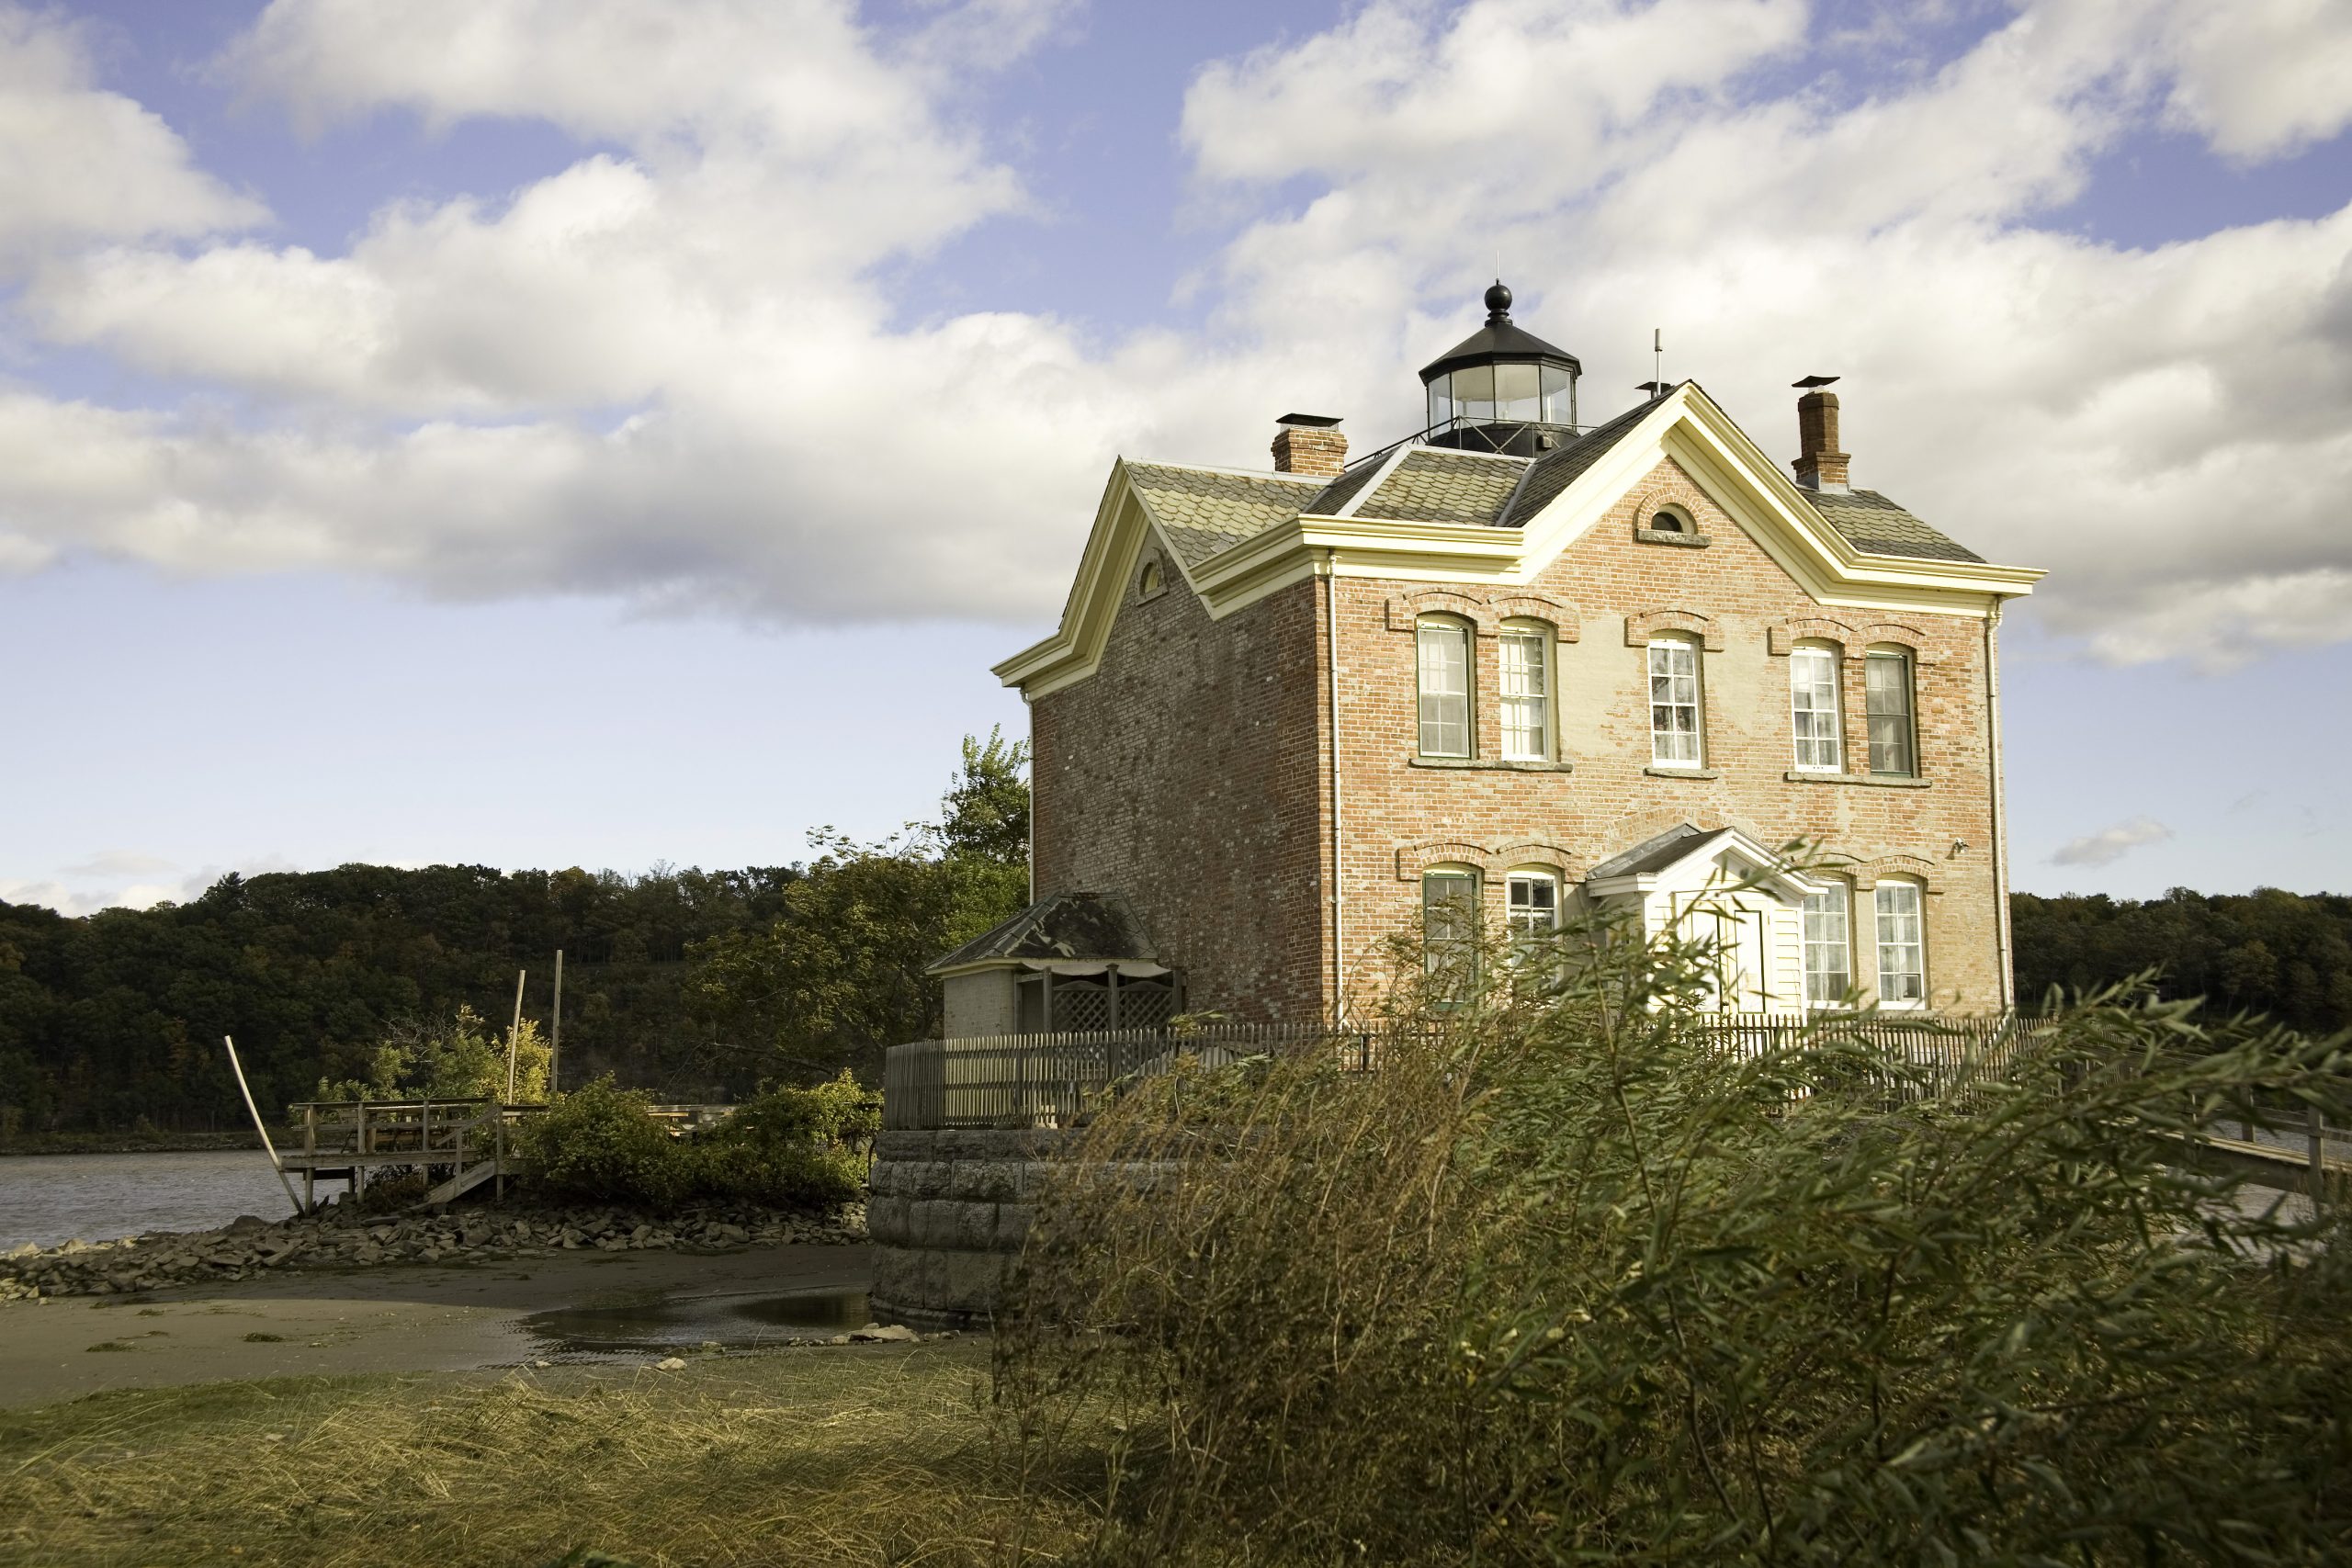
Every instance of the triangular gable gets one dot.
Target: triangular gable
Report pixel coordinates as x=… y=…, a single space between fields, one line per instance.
x=1685 y=859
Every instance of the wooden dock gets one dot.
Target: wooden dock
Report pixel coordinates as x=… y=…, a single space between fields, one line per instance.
x=457 y=1143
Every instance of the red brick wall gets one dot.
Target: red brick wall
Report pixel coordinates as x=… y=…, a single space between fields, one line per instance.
x=1186 y=772
x=1607 y=802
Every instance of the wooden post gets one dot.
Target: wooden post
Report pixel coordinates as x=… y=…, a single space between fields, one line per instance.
x=278 y=1166
x=358 y=1147
x=2315 y=1124
x=512 y=1033
x=554 y=1037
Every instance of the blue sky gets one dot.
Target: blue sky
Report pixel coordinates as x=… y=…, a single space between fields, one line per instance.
x=606 y=432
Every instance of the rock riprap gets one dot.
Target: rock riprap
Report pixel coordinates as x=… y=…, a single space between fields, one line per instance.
x=341 y=1236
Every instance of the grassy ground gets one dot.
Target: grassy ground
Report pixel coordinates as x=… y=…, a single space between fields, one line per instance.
x=865 y=1456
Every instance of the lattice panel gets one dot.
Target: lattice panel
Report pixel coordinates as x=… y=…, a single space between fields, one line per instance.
x=1078 y=1007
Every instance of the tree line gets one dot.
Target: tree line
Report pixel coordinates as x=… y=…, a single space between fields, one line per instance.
x=700 y=985
x=692 y=984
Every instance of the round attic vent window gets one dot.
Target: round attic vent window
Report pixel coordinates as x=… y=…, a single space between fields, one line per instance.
x=1148 y=583
x=1667 y=523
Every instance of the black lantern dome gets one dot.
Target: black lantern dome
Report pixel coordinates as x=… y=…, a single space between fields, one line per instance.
x=1501 y=389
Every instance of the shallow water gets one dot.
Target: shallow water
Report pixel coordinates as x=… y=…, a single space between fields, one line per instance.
x=741 y=1322
x=49 y=1199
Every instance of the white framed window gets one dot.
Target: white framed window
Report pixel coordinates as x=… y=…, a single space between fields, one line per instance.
x=1443 y=656
x=1886 y=682
x=1531 y=912
x=1526 y=654
x=1902 y=946
x=1813 y=703
x=1829 y=951
x=1675 y=739
x=1450 y=921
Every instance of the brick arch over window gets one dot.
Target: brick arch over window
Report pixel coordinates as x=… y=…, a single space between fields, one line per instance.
x=1782 y=638
x=1911 y=639
x=1406 y=609
x=1492 y=860
x=1644 y=624
x=1565 y=624
x=1868 y=874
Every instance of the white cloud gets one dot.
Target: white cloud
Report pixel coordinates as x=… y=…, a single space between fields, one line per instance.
x=672 y=371
x=2111 y=844
x=78 y=163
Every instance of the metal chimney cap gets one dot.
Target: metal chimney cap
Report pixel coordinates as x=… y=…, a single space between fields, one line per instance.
x=1311 y=420
x=1811 y=381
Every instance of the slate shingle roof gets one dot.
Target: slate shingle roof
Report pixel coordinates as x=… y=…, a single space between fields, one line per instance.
x=1203 y=511
x=1429 y=484
x=1871 y=522
x=1657 y=854
x=1558 y=469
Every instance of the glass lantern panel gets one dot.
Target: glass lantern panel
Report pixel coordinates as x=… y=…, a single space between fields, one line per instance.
x=1474 y=393
x=1441 y=402
x=1557 y=409
x=1516 y=396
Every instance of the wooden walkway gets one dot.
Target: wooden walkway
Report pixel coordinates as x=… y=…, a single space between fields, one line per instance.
x=457 y=1143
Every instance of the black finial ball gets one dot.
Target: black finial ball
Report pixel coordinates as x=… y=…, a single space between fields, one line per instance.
x=1498 y=300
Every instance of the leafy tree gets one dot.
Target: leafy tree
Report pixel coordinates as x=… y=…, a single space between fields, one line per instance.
x=840 y=976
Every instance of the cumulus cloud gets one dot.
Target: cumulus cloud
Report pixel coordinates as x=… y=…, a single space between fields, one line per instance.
x=79 y=164
x=2109 y=845
x=672 y=371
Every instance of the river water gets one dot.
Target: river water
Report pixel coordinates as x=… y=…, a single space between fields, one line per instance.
x=49 y=1199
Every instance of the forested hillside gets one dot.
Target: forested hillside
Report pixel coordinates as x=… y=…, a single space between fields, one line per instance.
x=2287 y=955
x=693 y=984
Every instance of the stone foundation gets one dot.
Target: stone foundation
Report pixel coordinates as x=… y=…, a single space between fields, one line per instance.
x=947 y=1216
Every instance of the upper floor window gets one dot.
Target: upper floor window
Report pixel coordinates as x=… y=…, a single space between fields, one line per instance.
x=1450 y=922
x=1532 y=913
x=1894 y=739
x=1829 y=954
x=1526 y=691
x=1812 y=699
x=1674 y=702
x=1902 y=946
x=1443 y=648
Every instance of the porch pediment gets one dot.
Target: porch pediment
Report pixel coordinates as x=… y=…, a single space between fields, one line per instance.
x=1689 y=859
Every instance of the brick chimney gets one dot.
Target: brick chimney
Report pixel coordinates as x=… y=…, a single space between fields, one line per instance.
x=1308 y=444
x=1819 y=464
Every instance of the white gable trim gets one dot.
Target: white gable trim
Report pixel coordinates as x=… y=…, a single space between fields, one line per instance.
x=1700 y=870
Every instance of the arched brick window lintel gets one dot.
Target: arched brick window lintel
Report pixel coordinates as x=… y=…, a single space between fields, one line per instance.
x=1869 y=874
x=1894 y=634
x=1561 y=617
x=1641 y=627
x=1782 y=640
x=1406 y=609
x=1414 y=859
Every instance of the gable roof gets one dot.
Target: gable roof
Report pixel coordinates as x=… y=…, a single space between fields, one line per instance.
x=1060 y=925
x=1642 y=867
x=1436 y=515
x=1201 y=511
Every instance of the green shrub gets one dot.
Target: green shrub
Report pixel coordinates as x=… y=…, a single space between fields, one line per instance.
x=600 y=1144
x=1564 y=1282
x=791 y=1148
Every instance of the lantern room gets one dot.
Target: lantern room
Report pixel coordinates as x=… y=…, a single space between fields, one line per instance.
x=1501 y=389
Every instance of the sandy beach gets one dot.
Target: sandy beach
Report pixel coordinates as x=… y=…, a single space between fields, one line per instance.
x=566 y=1308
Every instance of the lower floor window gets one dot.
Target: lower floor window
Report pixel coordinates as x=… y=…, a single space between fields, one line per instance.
x=1902 y=950
x=1450 y=921
x=1533 y=913
x=1828 y=956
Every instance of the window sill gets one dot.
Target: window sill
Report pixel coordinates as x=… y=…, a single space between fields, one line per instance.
x=1498 y=764
x=1683 y=772
x=1874 y=780
x=1661 y=537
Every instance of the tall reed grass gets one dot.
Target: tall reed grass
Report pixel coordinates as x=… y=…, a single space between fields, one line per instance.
x=1557 y=1283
